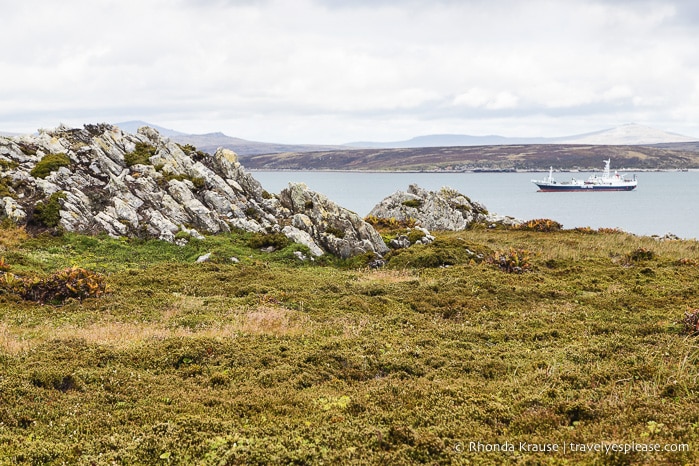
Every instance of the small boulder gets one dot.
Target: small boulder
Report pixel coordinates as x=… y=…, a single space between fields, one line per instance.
x=400 y=242
x=204 y=258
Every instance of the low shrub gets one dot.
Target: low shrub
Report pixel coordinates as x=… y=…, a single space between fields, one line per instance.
x=390 y=223
x=262 y=240
x=691 y=322
x=6 y=187
x=49 y=213
x=512 y=260
x=140 y=155
x=541 y=224
x=49 y=163
x=8 y=164
x=195 y=154
x=197 y=181
x=415 y=235
x=52 y=379
x=440 y=253
x=335 y=232
x=414 y=203
x=610 y=230
x=73 y=282
x=641 y=254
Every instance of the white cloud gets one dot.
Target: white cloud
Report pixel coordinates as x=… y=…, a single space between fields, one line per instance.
x=329 y=71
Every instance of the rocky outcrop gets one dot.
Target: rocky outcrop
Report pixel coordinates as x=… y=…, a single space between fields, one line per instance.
x=334 y=228
x=446 y=209
x=106 y=180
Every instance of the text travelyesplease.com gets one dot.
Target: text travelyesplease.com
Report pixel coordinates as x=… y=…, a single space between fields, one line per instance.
x=569 y=447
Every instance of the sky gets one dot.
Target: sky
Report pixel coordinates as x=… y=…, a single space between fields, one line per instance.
x=332 y=71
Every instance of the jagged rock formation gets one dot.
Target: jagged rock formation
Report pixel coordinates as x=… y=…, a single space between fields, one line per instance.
x=100 y=179
x=446 y=209
x=334 y=228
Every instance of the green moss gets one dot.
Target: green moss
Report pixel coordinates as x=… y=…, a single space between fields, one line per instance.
x=48 y=213
x=48 y=164
x=28 y=149
x=6 y=187
x=196 y=154
x=414 y=235
x=265 y=362
x=265 y=240
x=8 y=164
x=414 y=203
x=197 y=181
x=140 y=155
x=442 y=252
x=335 y=232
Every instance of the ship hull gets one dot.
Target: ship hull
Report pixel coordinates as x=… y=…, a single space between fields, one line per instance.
x=582 y=188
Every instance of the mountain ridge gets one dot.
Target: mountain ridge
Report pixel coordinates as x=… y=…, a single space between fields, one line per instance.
x=210 y=142
x=628 y=134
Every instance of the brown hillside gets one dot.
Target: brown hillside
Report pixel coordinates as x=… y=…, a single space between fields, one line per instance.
x=512 y=157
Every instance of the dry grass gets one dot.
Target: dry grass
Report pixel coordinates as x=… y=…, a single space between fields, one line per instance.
x=387 y=276
x=273 y=320
x=263 y=319
x=12 y=237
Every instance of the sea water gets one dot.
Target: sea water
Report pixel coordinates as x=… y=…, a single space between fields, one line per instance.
x=663 y=202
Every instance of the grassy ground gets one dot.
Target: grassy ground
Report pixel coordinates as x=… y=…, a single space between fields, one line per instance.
x=272 y=360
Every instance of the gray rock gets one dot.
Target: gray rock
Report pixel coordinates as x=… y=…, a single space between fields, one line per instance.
x=302 y=237
x=446 y=209
x=204 y=258
x=333 y=228
x=13 y=210
x=400 y=242
x=158 y=197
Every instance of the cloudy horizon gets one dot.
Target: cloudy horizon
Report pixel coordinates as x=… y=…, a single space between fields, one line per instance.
x=332 y=72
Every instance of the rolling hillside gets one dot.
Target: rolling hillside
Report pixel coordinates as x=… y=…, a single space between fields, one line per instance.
x=511 y=157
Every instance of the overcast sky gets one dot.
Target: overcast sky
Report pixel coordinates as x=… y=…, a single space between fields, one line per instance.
x=332 y=71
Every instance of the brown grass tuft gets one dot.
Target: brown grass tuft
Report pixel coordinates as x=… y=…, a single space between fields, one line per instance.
x=273 y=320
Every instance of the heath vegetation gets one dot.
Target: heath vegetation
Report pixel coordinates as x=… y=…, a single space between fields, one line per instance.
x=266 y=359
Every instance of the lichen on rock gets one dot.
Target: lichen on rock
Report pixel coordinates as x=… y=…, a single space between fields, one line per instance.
x=334 y=228
x=446 y=209
x=144 y=185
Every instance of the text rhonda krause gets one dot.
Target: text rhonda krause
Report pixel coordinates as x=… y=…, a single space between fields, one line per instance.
x=571 y=447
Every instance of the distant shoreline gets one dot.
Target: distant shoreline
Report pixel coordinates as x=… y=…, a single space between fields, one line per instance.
x=296 y=170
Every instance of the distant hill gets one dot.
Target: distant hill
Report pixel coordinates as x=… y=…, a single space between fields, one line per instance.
x=631 y=146
x=445 y=140
x=485 y=158
x=211 y=141
x=133 y=125
x=631 y=134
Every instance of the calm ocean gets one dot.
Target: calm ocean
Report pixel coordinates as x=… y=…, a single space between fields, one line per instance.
x=664 y=202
